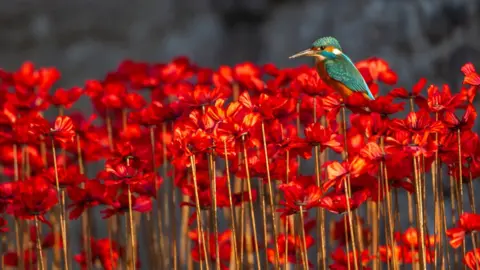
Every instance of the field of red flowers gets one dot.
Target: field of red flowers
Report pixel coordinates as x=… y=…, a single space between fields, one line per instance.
x=244 y=167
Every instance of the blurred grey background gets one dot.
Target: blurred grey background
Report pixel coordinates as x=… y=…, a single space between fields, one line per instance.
x=86 y=38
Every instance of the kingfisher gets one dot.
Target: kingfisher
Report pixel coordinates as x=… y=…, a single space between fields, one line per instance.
x=335 y=68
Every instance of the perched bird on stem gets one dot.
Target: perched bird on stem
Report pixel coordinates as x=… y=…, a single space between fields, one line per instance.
x=335 y=68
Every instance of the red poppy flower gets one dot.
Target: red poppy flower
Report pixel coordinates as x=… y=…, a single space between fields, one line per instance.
x=66 y=98
x=188 y=141
x=201 y=95
x=270 y=107
x=123 y=174
x=18 y=133
x=310 y=84
x=467 y=223
x=411 y=238
x=471 y=76
x=472 y=259
x=127 y=151
x=105 y=250
x=151 y=115
x=399 y=253
x=112 y=95
x=298 y=194
x=69 y=176
x=3 y=225
x=93 y=194
x=7 y=194
x=285 y=138
x=376 y=70
x=48 y=241
x=318 y=135
x=333 y=103
x=239 y=125
x=34 y=197
x=12 y=259
x=179 y=69
x=419 y=124
x=338 y=172
x=246 y=75
x=406 y=248
x=28 y=78
x=441 y=100
x=295 y=245
x=467 y=121
x=371 y=126
x=343 y=261
x=27 y=102
x=404 y=94
x=341 y=231
x=138 y=74
x=384 y=106
x=140 y=204
x=224 y=245
x=63 y=131
x=282 y=78
x=336 y=202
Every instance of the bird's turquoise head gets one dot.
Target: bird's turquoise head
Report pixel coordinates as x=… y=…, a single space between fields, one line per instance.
x=322 y=49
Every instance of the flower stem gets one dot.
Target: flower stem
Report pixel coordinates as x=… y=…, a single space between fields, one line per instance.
x=213 y=190
x=170 y=197
x=153 y=236
x=374 y=210
x=471 y=197
x=388 y=206
x=420 y=216
x=261 y=188
x=409 y=196
x=111 y=221
x=460 y=181
x=62 y=209
x=131 y=226
x=242 y=225
x=85 y=218
x=453 y=199
x=184 y=242
x=39 y=244
x=232 y=212
x=347 y=188
x=250 y=197
x=304 y=241
x=347 y=244
x=287 y=218
x=270 y=196
x=350 y=223
x=110 y=237
x=18 y=238
x=445 y=260
x=201 y=237
x=298 y=123
x=321 y=252
x=460 y=172
x=437 y=202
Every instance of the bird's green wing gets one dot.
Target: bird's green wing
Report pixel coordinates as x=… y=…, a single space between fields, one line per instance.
x=343 y=70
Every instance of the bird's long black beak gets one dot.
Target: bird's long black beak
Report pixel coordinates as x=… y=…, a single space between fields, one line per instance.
x=307 y=52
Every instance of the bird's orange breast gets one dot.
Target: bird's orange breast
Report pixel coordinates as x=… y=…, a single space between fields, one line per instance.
x=334 y=84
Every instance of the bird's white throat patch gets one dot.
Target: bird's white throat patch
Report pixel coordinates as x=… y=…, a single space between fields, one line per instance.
x=336 y=51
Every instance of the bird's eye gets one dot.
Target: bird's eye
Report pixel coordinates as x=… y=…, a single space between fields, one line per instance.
x=323 y=48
